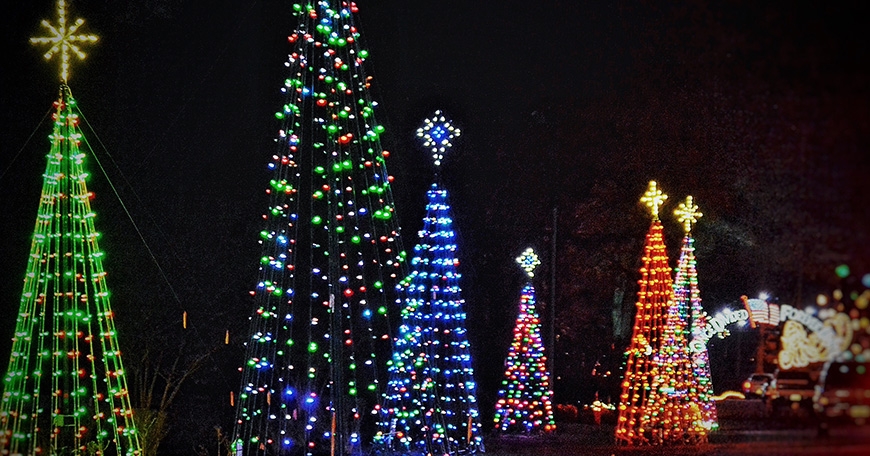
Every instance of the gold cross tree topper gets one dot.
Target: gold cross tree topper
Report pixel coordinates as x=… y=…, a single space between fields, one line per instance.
x=63 y=40
x=653 y=198
x=529 y=261
x=687 y=213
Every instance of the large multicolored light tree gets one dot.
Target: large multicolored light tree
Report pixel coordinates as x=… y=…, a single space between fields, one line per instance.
x=524 y=403
x=688 y=300
x=655 y=406
x=430 y=406
x=331 y=254
x=65 y=391
x=676 y=414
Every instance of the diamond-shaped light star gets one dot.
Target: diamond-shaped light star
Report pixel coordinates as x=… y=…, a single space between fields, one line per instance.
x=63 y=40
x=653 y=198
x=437 y=134
x=687 y=213
x=529 y=261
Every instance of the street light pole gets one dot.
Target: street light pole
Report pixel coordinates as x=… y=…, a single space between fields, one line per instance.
x=553 y=300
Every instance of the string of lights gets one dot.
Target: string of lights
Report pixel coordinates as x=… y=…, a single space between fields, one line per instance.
x=332 y=257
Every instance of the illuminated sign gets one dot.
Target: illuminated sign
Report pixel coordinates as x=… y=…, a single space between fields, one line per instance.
x=825 y=340
x=716 y=327
x=760 y=311
x=799 y=348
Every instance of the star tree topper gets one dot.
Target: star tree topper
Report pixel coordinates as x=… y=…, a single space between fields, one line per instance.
x=437 y=133
x=687 y=213
x=529 y=261
x=63 y=40
x=653 y=198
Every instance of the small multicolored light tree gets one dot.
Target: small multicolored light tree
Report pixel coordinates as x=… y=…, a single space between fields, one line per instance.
x=65 y=391
x=524 y=403
x=654 y=406
x=331 y=257
x=430 y=406
x=688 y=299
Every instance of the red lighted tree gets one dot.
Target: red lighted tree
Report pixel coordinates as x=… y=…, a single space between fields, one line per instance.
x=654 y=407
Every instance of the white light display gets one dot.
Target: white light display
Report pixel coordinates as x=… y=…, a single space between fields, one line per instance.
x=529 y=261
x=437 y=133
x=63 y=40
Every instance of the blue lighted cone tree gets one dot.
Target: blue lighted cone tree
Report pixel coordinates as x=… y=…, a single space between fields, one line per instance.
x=524 y=404
x=688 y=299
x=655 y=406
x=331 y=259
x=430 y=406
x=65 y=391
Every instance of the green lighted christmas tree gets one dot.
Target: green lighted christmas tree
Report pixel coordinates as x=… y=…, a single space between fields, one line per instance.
x=65 y=391
x=331 y=258
x=655 y=405
x=524 y=403
x=688 y=299
x=430 y=404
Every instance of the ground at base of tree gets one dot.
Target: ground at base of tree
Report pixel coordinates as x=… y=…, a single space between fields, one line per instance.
x=745 y=428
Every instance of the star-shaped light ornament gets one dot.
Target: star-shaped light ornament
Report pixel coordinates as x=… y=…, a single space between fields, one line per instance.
x=688 y=214
x=529 y=261
x=437 y=132
x=653 y=198
x=63 y=40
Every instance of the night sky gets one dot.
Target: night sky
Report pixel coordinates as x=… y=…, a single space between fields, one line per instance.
x=567 y=108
